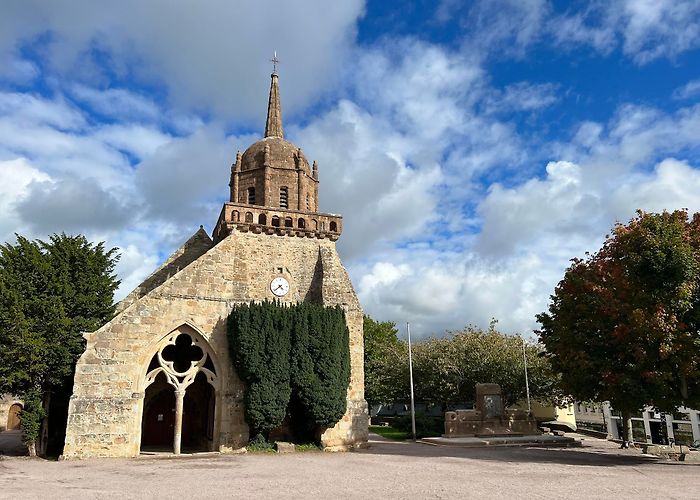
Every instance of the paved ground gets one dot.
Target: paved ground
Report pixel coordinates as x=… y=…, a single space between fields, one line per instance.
x=386 y=470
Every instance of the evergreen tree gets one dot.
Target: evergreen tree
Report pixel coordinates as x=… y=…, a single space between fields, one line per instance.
x=260 y=345
x=322 y=374
x=50 y=292
x=280 y=351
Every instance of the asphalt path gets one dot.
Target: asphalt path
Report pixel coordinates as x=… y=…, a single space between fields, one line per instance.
x=387 y=469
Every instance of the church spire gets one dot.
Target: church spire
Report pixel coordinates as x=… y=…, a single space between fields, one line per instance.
x=273 y=126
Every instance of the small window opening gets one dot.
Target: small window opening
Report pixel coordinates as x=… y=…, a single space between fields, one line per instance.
x=288 y=222
x=262 y=220
x=251 y=196
x=249 y=217
x=284 y=197
x=275 y=221
x=334 y=226
x=301 y=223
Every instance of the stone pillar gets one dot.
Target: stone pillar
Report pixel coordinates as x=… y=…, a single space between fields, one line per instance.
x=179 y=402
x=235 y=169
x=314 y=175
x=694 y=423
x=300 y=191
x=647 y=424
x=669 y=428
x=610 y=423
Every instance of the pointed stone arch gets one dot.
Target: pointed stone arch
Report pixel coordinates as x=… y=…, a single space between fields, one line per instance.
x=184 y=360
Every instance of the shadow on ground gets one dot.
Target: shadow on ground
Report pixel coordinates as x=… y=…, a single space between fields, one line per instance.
x=585 y=455
x=11 y=444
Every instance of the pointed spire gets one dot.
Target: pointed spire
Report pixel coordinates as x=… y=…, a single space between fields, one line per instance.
x=273 y=126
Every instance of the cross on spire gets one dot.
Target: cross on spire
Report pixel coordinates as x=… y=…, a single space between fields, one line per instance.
x=274 y=62
x=273 y=125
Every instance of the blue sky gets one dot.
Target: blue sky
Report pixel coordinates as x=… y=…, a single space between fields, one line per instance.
x=472 y=147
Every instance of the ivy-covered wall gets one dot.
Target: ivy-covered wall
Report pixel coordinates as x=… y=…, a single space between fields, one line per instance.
x=284 y=353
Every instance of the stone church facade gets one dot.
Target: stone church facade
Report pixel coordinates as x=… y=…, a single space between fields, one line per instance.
x=159 y=376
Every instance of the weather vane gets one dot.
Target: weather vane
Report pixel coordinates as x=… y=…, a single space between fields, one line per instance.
x=274 y=62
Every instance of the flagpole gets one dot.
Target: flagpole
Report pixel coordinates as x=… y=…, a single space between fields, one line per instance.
x=410 y=372
x=527 y=382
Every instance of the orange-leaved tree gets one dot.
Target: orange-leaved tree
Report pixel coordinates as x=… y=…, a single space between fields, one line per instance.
x=623 y=324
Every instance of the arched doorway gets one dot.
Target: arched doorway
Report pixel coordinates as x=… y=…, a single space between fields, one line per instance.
x=198 y=416
x=158 y=423
x=13 y=422
x=179 y=404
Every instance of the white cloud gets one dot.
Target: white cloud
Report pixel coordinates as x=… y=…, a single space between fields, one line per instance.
x=117 y=103
x=646 y=29
x=210 y=54
x=522 y=96
x=25 y=109
x=16 y=176
x=687 y=91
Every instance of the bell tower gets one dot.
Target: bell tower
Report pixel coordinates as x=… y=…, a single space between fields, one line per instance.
x=273 y=189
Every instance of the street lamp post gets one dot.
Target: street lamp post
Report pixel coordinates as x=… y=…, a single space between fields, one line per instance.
x=410 y=373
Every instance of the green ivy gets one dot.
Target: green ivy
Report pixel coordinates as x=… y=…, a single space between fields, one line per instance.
x=279 y=350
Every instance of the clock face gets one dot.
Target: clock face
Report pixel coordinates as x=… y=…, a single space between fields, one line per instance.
x=279 y=286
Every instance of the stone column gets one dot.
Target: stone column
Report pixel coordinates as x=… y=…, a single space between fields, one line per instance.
x=694 y=423
x=647 y=424
x=267 y=187
x=610 y=422
x=300 y=191
x=179 y=401
x=669 y=428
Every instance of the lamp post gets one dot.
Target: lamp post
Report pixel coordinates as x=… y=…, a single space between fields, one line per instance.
x=410 y=374
x=527 y=382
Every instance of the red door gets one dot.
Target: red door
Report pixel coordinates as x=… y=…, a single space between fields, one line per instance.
x=159 y=420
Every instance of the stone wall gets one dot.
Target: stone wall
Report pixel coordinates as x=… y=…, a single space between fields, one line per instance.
x=106 y=407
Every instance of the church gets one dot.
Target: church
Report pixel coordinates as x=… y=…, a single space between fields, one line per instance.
x=159 y=375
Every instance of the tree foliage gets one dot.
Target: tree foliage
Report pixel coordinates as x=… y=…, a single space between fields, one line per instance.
x=446 y=369
x=284 y=350
x=50 y=292
x=321 y=362
x=260 y=346
x=623 y=323
x=386 y=363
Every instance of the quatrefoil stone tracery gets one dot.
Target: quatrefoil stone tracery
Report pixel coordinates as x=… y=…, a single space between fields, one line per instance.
x=180 y=358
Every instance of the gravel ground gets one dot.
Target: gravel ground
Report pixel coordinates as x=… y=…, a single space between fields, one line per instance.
x=386 y=470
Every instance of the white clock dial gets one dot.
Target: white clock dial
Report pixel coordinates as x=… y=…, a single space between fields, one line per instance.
x=279 y=286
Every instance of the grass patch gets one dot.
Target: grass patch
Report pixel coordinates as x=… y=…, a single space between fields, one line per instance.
x=306 y=447
x=389 y=432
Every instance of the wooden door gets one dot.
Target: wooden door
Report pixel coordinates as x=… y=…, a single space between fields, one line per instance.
x=159 y=420
x=13 y=422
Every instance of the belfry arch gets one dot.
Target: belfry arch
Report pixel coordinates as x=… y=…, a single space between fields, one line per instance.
x=182 y=394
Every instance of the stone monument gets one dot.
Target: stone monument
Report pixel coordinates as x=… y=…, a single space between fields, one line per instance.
x=489 y=418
